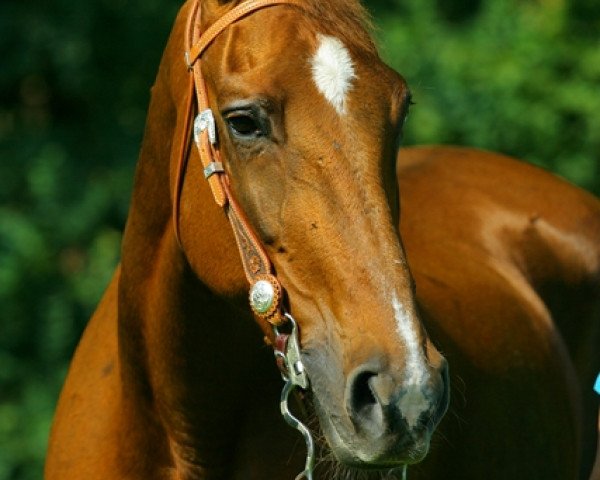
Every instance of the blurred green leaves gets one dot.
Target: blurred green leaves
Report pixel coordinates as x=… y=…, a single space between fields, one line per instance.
x=75 y=79
x=520 y=77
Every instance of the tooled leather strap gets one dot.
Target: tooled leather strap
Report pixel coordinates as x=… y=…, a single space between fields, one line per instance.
x=256 y=263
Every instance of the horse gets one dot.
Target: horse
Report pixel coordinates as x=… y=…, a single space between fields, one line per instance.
x=288 y=179
x=506 y=257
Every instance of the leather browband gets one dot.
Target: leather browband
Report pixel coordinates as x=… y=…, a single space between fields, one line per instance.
x=230 y=17
x=256 y=263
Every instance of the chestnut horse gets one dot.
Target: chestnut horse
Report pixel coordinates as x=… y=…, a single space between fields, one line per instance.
x=172 y=380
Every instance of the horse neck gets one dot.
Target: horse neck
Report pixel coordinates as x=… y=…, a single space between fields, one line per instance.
x=178 y=341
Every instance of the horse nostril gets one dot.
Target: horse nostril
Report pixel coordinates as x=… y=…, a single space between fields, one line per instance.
x=364 y=403
x=361 y=394
x=401 y=409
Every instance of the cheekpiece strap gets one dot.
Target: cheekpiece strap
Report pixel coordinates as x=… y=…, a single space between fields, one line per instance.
x=266 y=293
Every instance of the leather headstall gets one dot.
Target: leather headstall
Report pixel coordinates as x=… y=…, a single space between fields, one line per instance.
x=266 y=294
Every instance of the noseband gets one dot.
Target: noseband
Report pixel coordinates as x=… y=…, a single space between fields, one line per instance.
x=266 y=293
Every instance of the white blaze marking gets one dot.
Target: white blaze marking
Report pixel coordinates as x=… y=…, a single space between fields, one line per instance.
x=413 y=403
x=333 y=71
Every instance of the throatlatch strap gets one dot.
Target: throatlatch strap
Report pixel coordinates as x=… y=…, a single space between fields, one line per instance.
x=183 y=157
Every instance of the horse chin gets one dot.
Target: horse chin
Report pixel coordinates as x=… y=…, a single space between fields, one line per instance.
x=382 y=453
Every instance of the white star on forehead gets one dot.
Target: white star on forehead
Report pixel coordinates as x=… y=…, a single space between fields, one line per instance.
x=333 y=71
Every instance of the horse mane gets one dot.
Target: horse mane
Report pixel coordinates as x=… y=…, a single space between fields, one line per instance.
x=347 y=20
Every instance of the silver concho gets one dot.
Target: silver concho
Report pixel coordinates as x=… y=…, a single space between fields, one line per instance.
x=262 y=295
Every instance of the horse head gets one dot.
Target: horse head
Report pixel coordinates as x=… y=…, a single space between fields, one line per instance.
x=308 y=119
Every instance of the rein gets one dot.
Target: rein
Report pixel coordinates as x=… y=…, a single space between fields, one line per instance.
x=266 y=293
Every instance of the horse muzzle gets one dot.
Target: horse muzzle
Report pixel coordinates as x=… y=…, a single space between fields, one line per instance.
x=384 y=421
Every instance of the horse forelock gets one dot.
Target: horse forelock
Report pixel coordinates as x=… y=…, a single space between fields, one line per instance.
x=346 y=20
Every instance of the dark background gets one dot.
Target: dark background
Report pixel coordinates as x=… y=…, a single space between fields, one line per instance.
x=516 y=76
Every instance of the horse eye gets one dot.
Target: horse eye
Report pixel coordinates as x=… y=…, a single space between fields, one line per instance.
x=244 y=124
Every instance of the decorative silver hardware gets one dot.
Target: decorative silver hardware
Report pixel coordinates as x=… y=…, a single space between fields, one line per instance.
x=205 y=120
x=212 y=168
x=187 y=60
x=294 y=376
x=294 y=368
x=262 y=296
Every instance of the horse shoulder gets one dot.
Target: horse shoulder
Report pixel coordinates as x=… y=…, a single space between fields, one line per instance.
x=84 y=427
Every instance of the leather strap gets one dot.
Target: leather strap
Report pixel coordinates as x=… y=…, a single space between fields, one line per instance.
x=183 y=156
x=256 y=263
x=230 y=17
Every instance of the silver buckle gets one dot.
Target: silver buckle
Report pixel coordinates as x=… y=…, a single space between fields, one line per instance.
x=212 y=168
x=205 y=120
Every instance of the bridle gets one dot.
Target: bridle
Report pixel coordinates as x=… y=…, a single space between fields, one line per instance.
x=266 y=293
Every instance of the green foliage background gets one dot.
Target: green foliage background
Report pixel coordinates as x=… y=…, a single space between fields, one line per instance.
x=517 y=76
